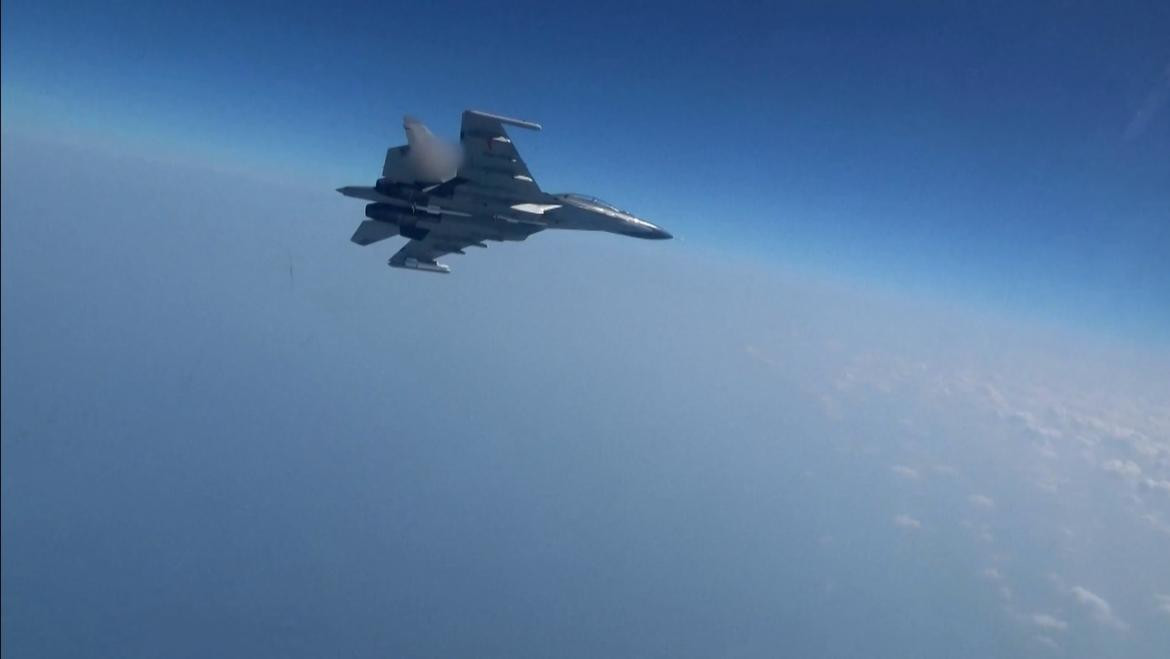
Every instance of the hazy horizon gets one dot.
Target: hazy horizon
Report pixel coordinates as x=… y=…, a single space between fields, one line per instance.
x=897 y=388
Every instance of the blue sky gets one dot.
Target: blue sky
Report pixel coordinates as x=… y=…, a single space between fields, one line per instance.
x=1014 y=157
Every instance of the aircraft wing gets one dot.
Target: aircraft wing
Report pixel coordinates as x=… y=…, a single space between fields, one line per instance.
x=490 y=159
x=451 y=238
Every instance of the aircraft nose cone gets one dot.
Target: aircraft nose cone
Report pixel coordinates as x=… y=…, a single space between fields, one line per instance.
x=659 y=234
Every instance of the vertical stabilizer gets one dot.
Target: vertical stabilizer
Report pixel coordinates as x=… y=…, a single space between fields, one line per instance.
x=417 y=134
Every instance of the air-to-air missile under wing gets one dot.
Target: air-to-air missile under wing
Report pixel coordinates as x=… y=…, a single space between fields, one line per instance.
x=444 y=198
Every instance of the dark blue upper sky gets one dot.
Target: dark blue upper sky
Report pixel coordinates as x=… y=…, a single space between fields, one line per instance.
x=1017 y=156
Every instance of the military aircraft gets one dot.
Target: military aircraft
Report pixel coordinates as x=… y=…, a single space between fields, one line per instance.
x=444 y=198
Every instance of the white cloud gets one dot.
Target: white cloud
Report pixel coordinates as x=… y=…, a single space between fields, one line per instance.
x=1098 y=607
x=1156 y=521
x=1036 y=426
x=1164 y=486
x=1163 y=603
x=902 y=471
x=1125 y=468
x=981 y=531
x=1047 y=642
x=907 y=522
x=982 y=501
x=995 y=576
x=1046 y=621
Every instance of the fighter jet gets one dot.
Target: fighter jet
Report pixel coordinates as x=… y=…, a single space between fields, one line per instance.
x=444 y=198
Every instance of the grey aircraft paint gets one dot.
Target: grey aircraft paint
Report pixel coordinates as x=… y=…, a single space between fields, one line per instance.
x=444 y=199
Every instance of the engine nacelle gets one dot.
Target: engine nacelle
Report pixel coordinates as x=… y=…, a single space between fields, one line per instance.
x=391 y=189
x=410 y=224
x=413 y=231
x=385 y=213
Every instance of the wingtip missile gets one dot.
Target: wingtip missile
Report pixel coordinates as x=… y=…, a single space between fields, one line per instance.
x=519 y=123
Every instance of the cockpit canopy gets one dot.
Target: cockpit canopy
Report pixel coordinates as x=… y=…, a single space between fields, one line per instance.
x=587 y=200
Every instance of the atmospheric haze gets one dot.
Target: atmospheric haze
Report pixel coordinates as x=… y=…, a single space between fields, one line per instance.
x=228 y=431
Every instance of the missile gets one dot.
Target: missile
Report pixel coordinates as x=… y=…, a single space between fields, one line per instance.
x=411 y=263
x=394 y=213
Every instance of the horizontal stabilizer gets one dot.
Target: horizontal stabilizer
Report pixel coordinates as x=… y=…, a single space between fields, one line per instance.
x=361 y=192
x=371 y=231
